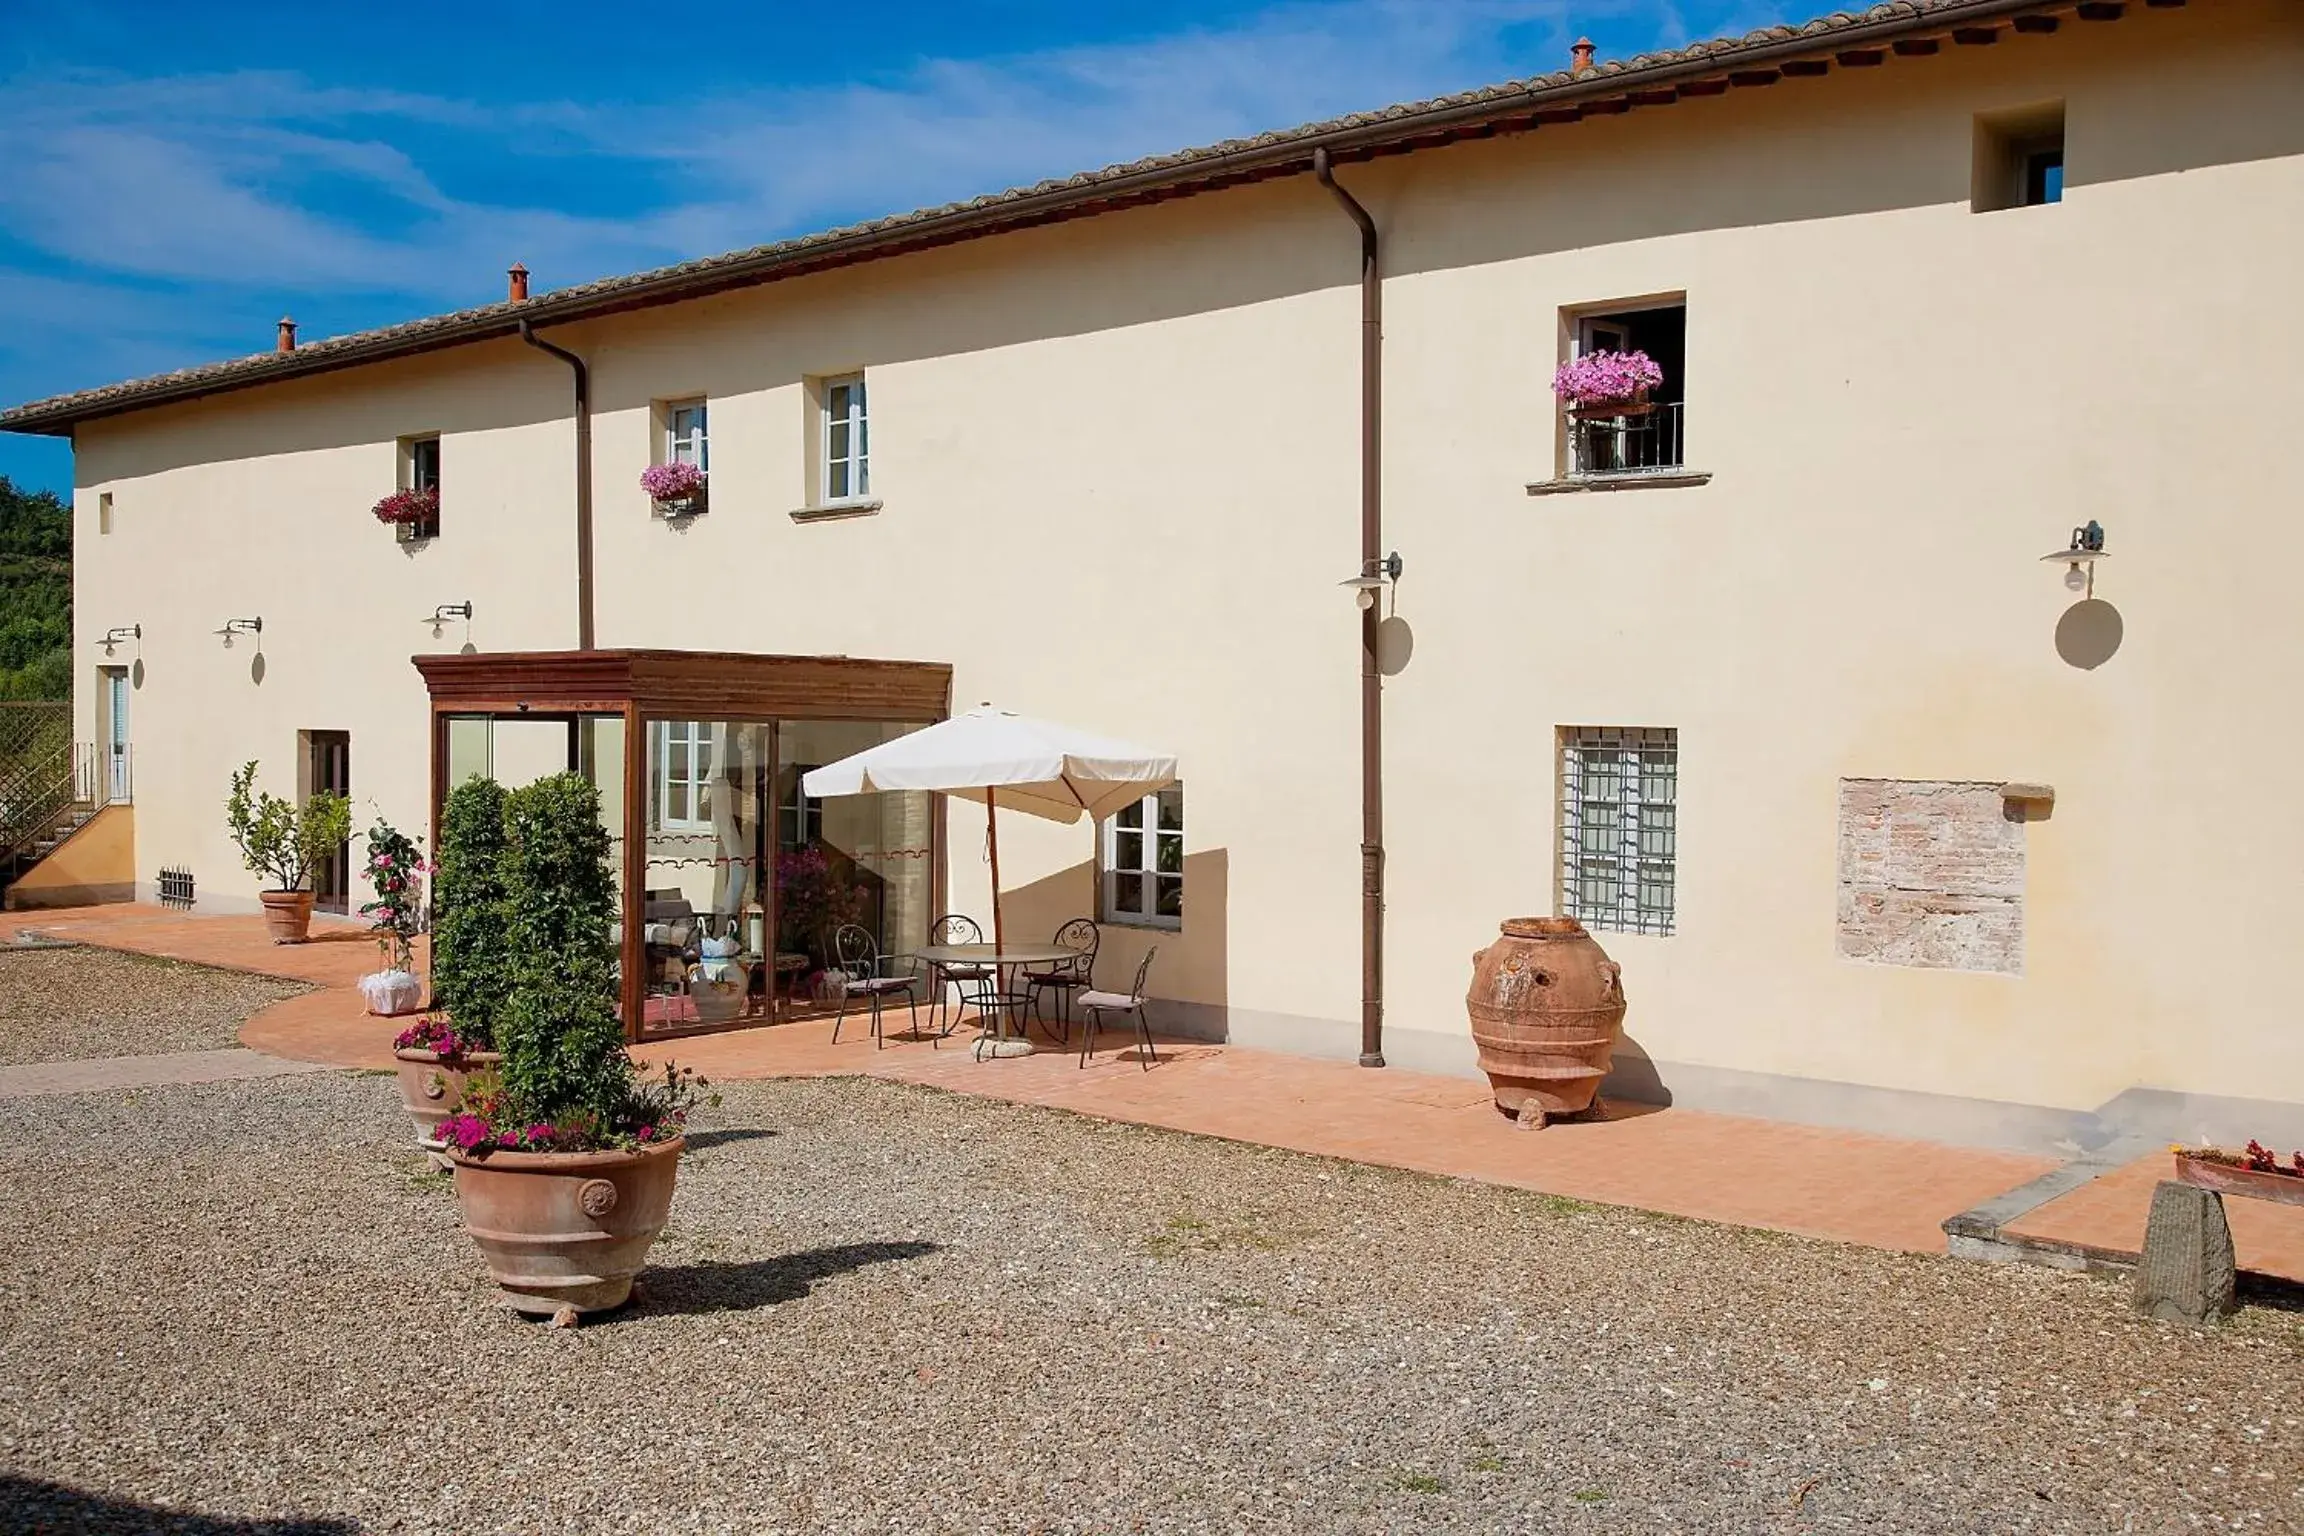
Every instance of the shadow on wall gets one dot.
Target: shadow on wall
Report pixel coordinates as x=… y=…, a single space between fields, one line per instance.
x=30 y=1505
x=1633 y=1076
x=1191 y=975
x=2089 y=633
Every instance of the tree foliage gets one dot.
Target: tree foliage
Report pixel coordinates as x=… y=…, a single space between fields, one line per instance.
x=35 y=594
x=563 y=1045
x=471 y=918
x=283 y=841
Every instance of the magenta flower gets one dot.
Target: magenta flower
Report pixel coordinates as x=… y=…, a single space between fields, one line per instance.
x=464 y=1132
x=669 y=482
x=1604 y=378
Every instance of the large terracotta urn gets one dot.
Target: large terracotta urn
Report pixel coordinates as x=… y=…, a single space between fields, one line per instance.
x=432 y=1086
x=565 y=1232
x=287 y=915
x=1547 y=1008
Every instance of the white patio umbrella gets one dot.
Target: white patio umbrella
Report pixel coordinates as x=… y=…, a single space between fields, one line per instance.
x=1005 y=761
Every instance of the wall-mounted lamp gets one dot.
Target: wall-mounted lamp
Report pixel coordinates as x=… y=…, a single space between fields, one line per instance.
x=446 y=611
x=1372 y=579
x=233 y=627
x=2080 y=558
x=121 y=634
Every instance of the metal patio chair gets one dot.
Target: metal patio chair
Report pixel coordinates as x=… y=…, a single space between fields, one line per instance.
x=1065 y=977
x=974 y=981
x=864 y=972
x=1094 y=1005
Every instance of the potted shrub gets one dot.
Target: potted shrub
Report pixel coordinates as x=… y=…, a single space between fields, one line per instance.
x=412 y=514
x=1607 y=383
x=565 y=1159
x=285 y=843
x=395 y=869
x=436 y=1068
x=471 y=955
x=677 y=489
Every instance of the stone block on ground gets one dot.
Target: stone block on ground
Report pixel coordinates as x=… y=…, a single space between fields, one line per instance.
x=2185 y=1273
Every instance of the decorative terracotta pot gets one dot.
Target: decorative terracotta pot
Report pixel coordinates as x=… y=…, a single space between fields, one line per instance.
x=432 y=1088
x=1547 y=1008
x=565 y=1232
x=288 y=914
x=2206 y=1173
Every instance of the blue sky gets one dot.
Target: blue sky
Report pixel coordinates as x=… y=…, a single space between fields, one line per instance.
x=175 y=177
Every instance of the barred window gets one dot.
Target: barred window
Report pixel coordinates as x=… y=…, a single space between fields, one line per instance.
x=1619 y=788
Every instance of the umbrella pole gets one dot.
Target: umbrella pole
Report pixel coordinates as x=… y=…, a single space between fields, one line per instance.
x=992 y=843
x=992 y=848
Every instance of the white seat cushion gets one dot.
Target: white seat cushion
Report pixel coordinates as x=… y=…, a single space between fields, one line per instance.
x=879 y=983
x=1106 y=1000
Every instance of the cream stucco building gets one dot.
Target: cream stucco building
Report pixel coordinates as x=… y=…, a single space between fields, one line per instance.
x=1887 y=823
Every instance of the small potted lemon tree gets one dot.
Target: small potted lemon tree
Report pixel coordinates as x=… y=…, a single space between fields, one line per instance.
x=285 y=843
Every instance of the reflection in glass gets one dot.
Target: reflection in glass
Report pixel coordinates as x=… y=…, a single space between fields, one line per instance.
x=467 y=749
x=863 y=859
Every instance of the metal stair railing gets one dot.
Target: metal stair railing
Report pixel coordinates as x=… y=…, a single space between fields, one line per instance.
x=49 y=783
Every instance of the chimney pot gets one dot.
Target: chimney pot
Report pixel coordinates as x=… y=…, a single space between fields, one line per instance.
x=287 y=341
x=516 y=288
x=1581 y=54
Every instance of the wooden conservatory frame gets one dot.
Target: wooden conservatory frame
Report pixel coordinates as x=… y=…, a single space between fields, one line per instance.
x=640 y=687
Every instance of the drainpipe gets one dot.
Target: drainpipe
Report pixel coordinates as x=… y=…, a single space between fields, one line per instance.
x=583 y=480
x=1371 y=683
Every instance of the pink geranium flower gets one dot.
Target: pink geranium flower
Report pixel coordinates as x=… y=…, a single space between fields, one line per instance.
x=1603 y=378
x=669 y=482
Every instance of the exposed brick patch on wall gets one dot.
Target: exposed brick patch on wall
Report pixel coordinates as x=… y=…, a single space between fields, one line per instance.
x=1931 y=875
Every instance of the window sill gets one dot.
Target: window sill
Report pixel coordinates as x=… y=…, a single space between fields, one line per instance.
x=1148 y=924
x=834 y=511
x=1637 y=480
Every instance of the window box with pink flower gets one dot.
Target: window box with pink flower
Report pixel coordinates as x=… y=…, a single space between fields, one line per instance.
x=678 y=489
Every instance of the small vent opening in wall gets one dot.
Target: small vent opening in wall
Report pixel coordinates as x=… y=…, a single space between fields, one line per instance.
x=175 y=887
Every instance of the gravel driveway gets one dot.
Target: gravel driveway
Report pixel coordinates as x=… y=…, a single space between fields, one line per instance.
x=885 y=1308
x=83 y=1004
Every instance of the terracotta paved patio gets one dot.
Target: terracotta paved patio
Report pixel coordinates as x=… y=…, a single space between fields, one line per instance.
x=1842 y=1185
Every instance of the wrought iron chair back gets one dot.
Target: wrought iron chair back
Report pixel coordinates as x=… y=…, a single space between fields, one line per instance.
x=1085 y=938
x=955 y=928
x=856 y=952
x=1143 y=971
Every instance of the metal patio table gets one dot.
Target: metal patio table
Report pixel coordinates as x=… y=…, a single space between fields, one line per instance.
x=1006 y=960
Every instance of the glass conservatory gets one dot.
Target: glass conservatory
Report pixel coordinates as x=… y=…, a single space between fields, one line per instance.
x=733 y=879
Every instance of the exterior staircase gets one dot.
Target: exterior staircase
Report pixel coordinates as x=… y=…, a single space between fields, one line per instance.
x=50 y=785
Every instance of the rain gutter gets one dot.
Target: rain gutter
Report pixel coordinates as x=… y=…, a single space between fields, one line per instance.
x=1371 y=680
x=584 y=634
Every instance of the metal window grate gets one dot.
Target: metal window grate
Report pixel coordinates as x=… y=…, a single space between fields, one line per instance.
x=175 y=887
x=1619 y=826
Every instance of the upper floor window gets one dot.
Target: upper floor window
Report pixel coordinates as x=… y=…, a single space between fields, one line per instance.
x=846 y=447
x=1635 y=427
x=420 y=471
x=2019 y=159
x=1619 y=827
x=681 y=775
x=104 y=512
x=685 y=439
x=1144 y=861
x=800 y=815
